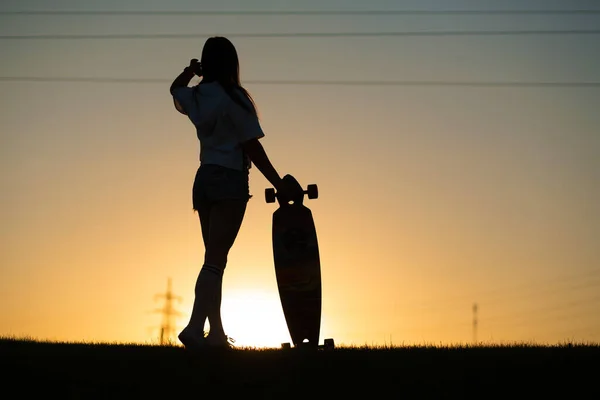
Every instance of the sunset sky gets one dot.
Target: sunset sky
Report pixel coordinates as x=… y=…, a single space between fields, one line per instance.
x=432 y=197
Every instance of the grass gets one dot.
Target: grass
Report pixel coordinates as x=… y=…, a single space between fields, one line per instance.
x=130 y=371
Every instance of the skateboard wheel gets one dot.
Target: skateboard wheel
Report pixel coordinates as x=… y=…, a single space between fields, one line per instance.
x=286 y=346
x=313 y=191
x=270 y=195
x=329 y=343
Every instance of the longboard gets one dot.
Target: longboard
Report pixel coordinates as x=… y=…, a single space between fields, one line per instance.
x=298 y=266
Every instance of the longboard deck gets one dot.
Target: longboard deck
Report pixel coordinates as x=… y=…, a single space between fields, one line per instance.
x=298 y=271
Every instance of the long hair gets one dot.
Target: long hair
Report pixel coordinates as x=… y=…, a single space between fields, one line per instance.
x=220 y=63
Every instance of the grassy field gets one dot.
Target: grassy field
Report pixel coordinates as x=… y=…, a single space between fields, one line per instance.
x=122 y=371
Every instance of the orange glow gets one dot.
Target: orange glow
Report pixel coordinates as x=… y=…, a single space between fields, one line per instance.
x=254 y=318
x=430 y=198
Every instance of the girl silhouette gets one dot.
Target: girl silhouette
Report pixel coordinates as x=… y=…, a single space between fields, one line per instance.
x=228 y=129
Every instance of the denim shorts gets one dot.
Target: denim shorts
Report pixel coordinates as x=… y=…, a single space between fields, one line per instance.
x=215 y=183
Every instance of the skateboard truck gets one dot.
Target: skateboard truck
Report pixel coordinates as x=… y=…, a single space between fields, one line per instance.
x=328 y=344
x=311 y=190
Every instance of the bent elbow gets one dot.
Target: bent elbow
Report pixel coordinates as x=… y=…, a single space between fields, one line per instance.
x=178 y=107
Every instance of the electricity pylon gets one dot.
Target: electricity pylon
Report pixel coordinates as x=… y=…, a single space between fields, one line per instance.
x=475 y=323
x=168 y=327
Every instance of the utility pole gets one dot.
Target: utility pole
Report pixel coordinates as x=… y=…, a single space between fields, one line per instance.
x=167 y=328
x=475 y=323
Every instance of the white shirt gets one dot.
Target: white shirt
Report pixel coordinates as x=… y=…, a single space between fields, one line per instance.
x=222 y=125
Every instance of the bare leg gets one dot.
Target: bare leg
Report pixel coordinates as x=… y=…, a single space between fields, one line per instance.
x=196 y=323
x=226 y=219
x=220 y=223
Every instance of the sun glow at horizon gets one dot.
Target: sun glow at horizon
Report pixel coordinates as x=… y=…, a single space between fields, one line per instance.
x=432 y=197
x=254 y=318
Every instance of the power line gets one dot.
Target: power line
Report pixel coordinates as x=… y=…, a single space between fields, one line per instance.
x=81 y=79
x=545 y=311
x=564 y=282
x=591 y=330
x=303 y=34
x=426 y=83
x=532 y=84
x=567 y=313
x=577 y=286
x=301 y=12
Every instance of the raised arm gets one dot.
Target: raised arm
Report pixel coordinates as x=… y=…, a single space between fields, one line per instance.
x=182 y=80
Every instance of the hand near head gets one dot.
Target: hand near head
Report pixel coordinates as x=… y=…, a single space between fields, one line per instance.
x=195 y=66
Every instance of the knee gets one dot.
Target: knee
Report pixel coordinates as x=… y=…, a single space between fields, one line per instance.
x=216 y=258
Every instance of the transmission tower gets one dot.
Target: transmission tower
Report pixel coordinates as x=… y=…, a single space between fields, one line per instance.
x=475 y=323
x=167 y=328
